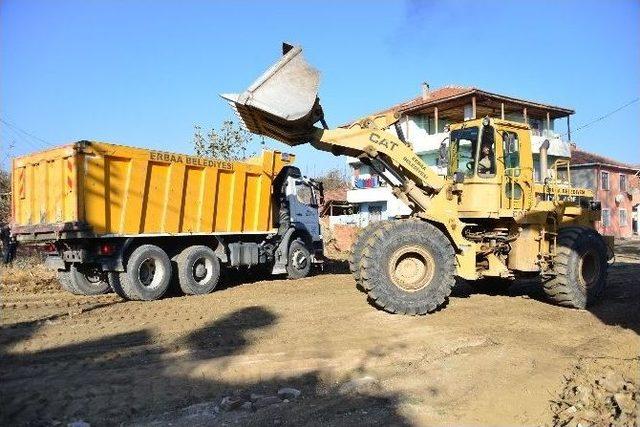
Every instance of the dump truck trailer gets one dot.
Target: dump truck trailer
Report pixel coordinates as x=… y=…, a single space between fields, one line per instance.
x=123 y=218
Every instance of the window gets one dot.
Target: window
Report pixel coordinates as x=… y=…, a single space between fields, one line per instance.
x=623 y=182
x=622 y=217
x=511 y=148
x=462 y=150
x=305 y=194
x=604 y=180
x=606 y=218
x=487 y=155
x=375 y=213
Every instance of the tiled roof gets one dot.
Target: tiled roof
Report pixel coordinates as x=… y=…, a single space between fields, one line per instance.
x=582 y=157
x=338 y=194
x=444 y=93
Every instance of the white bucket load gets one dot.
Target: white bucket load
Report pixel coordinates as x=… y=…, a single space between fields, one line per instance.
x=283 y=102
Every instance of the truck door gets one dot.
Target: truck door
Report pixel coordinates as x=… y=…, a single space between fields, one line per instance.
x=303 y=205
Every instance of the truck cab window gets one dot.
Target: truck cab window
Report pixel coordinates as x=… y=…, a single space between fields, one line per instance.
x=304 y=193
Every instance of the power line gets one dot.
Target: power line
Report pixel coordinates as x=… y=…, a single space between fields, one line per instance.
x=604 y=116
x=13 y=126
x=21 y=138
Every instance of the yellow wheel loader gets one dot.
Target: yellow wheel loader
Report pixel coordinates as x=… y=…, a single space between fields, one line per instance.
x=486 y=219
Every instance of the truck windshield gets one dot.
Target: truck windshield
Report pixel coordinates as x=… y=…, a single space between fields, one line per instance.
x=462 y=150
x=304 y=192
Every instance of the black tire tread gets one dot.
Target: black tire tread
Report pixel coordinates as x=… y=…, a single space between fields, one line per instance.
x=126 y=286
x=184 y=279
x=379 y=290
x=561 y=289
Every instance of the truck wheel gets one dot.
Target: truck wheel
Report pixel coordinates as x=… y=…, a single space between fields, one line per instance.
x=581 y=268
x=66 y=282
x=408 y=268
x=299 y=262
x=84 y=280
x=147 y=275
x=355 y=257
x=198 y=270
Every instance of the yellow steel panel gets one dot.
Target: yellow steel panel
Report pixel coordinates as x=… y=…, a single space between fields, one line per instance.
x=116 y=170
x=173 y=199
x=252 y=202
x=95 y=194
x=224 y=198
x=125 y=190
x=237 y=201
x=135 y=191
x=193 y=191
x=208 y=196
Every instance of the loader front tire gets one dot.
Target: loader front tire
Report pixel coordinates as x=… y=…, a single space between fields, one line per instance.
x=147 y=274
x=408 y=267
x=198 y=270
x=580 y=267
x=355 y=258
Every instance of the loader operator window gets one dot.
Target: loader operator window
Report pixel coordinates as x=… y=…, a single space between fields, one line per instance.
x=462 y=151
x=487 y=154
x=511 y=148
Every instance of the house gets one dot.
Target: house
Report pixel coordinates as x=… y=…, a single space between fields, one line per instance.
x=616 y=186
x=423 y=121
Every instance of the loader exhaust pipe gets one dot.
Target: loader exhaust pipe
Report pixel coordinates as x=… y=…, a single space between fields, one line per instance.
x=283 y=102
x=543 y=160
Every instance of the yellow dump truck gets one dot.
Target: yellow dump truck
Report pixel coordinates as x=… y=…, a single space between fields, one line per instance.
x=125 y=218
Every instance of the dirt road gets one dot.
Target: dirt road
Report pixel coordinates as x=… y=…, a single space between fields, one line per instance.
x=491 y=359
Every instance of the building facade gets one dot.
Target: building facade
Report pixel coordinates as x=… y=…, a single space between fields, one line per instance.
x=423 y=120
x=616 y=186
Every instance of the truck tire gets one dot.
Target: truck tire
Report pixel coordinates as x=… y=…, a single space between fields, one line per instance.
x=66 y=282
x=84 y=280
x=408 y=268
x=198 y=270
x=147 y=274
x=355 y=257
x=299 y=262
x=580 y=266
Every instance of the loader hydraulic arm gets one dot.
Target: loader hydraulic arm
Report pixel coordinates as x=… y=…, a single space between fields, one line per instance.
x=370 y=138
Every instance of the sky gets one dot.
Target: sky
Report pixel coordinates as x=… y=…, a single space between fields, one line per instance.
x=143 y=73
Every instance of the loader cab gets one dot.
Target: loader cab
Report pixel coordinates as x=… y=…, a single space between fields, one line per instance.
x=494 y=156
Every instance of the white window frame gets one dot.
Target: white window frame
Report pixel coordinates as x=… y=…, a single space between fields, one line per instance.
x=626 y=217
x=626 y=182
x=602 y=174
x=608 y=222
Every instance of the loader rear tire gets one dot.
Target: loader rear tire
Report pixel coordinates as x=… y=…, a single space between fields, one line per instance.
x=198 y=270
x=580 y=266
x=408 y=267
x=355 y=258
x=147 y=274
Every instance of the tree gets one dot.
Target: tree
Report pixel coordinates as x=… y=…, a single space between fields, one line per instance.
x=334 y=179
x=5 y=196
x=229 y=142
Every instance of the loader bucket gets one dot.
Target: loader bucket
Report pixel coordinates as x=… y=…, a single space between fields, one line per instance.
x=283 y=102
